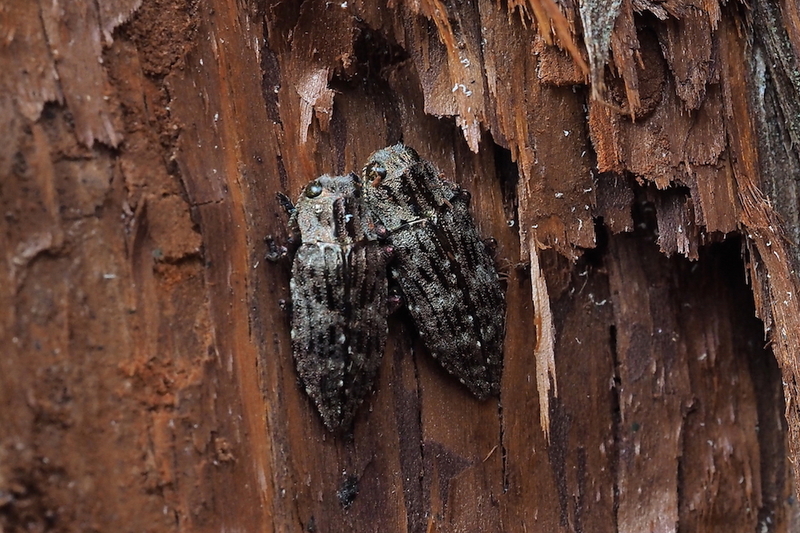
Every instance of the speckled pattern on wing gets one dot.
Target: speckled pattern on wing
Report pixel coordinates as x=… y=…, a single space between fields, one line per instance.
x=339 y=294
x=441 y=264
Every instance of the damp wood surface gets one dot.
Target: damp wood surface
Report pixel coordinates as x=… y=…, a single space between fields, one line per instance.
x=636 y=163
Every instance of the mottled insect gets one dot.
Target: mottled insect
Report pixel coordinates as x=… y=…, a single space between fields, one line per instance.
x=339 y=298
x=441 y=264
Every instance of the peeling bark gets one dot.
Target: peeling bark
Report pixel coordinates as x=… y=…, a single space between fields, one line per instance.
x=636 y=162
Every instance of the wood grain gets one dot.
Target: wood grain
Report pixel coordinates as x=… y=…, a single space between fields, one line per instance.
x=147 y=382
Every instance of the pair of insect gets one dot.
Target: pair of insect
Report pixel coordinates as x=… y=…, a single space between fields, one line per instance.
x=399 y=216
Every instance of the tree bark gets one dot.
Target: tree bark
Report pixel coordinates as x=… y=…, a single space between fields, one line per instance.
x=636 y=162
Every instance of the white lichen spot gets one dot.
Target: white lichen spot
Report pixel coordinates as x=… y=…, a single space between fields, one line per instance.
x=463 y=89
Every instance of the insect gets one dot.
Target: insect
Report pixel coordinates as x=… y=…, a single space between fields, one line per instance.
x=443 y=267
x=339 y=297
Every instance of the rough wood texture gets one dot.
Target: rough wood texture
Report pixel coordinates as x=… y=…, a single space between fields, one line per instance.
x=147 y=382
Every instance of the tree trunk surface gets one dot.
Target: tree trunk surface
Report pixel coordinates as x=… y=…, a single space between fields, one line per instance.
x=636 y=162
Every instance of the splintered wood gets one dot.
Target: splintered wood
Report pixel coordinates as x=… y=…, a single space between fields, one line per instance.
x=635 y=161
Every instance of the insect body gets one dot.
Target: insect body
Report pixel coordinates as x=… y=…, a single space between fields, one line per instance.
x=442 y=266
x=339 y=295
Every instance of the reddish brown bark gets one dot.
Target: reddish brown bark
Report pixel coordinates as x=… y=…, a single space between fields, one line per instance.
x=147 y=382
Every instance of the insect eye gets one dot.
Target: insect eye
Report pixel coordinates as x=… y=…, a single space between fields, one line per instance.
x=378 y=173
x=313 y=190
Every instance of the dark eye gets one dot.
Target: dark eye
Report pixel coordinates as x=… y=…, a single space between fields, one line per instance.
x=313 y=190
x=378 y=173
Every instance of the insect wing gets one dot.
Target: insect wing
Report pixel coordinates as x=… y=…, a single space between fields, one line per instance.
x=442 y=266
x=339 y=293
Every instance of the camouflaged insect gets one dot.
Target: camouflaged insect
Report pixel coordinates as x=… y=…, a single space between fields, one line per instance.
x=441 y=264
x=339 y=298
